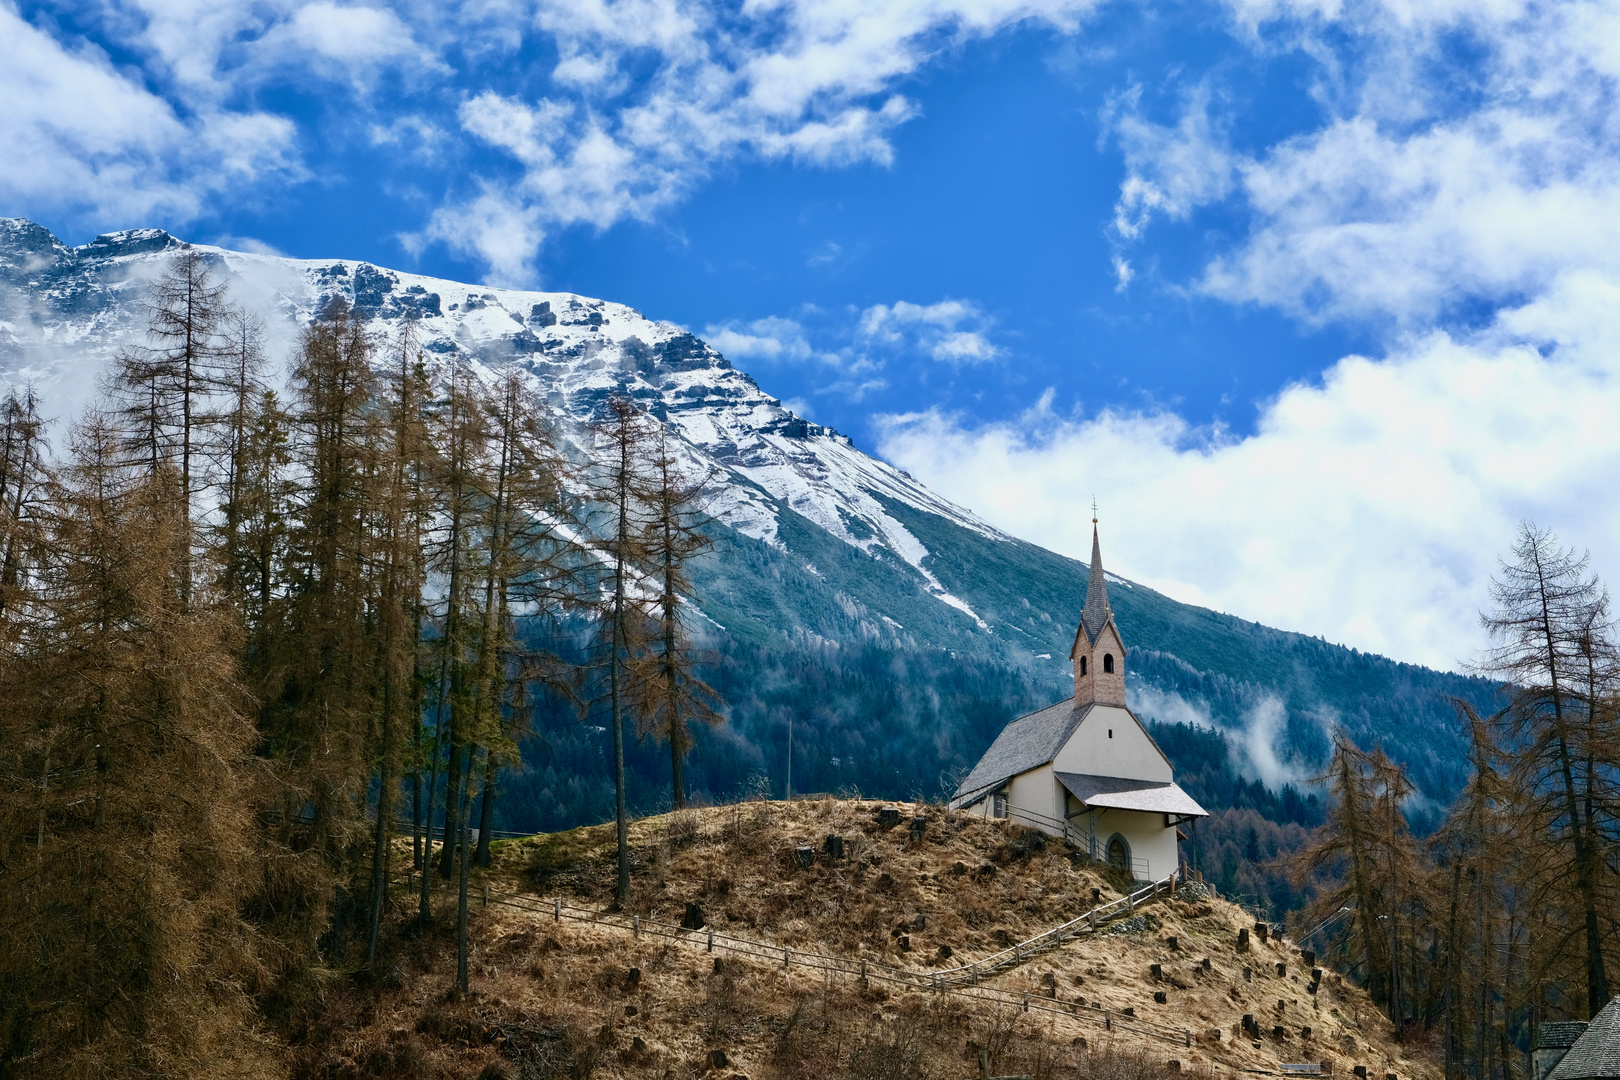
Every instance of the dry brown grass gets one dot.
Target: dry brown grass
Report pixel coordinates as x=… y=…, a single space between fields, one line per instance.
x=570 y=999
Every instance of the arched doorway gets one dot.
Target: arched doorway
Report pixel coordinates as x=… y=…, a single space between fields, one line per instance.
x=1119 y=852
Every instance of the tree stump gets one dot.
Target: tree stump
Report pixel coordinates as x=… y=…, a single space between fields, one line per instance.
x=693 y=919
x=1279 y=1032
x=1205 y=964
x=718 y=1059
x=1174 y=943
x=1282 y=971
x=833 y=847
x=806 y=856
x=1308 y=957
x=1243 y=941
x=1160 y=998
x=1263 y=930
x=919 y=826
x=889 y=816
x=1156 y=971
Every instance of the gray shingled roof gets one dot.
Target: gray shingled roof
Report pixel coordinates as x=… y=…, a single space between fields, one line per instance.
x=1596 y=1054
x=1559 y=1034
x=1120 y=793
x=1026 y=743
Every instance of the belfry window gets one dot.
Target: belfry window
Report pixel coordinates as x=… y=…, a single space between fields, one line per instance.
x=1082 y=665
x=1108 y=663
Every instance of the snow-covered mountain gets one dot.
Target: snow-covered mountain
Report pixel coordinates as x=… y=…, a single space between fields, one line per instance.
x=896 y=631
x=64 y=312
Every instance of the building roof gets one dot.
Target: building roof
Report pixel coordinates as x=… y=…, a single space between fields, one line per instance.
x=1027 y=743
x=1596 y=1054
x=1094 y=616
x=1559 y=1034
x=1120 y=793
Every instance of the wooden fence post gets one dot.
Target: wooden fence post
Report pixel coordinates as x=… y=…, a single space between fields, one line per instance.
x=635 y=925
x=711 y=940
x=556 y=911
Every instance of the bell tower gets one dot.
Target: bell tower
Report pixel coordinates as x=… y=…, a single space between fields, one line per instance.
x=1099 y=652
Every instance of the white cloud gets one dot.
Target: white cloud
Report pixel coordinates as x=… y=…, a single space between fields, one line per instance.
x=1438 y=191
x=773 y=80
x=501 y=231
x=1369 y=507
x=1404 y=204
x=646 y=99
x=771 y=339
x=954 y=331
x=1122 y=274
x=232 y=242
x=1169 y=171
x=345 y=40
x=82 y=136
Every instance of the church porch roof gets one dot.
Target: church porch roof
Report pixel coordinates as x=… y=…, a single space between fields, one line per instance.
x=1122 y=793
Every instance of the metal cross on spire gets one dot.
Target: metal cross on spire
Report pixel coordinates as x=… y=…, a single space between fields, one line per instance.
x=1094 y=509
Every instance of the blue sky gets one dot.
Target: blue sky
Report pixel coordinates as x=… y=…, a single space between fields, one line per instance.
x=996 y=194
x=1318 y=297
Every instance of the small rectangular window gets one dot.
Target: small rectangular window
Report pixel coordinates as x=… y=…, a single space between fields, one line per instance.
x=998 y=806
x=1110 y=733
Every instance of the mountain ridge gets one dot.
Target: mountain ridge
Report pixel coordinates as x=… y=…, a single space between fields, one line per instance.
x=893 y=631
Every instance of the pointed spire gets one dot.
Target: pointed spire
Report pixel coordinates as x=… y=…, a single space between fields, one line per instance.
x=1096 y=613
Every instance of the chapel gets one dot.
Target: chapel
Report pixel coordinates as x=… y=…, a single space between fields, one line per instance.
x=1086 y=769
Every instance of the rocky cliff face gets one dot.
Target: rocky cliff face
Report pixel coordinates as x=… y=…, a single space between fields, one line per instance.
x=64 y=312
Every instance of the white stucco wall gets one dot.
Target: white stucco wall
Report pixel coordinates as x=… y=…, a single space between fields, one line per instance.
x=1129 y=753
x=1039 y=793
x=1145 y=834
x=1045 y=803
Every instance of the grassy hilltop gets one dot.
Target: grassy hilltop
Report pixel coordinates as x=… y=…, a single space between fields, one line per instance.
x=575 y=999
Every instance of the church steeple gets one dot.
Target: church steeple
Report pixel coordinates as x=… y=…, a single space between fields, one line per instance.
x=1099 y=652
x=1096 y=612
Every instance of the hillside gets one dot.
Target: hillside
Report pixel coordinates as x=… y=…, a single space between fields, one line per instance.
x=893 y=632
x=579 y=998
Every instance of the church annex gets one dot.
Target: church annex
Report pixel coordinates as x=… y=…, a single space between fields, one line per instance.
x=1086 y=769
